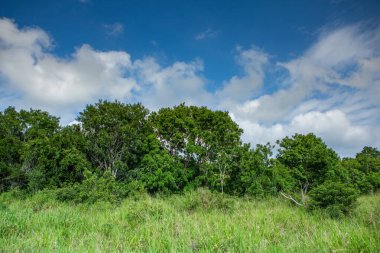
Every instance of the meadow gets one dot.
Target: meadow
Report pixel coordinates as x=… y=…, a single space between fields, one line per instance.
x=197 y=221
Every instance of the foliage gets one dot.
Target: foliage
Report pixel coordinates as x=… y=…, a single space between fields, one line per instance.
x=308 y=159
x=217 y=174
x=161 y=172
x=11 y=143
x=55 y=161
x=18 y=132
x=205 y=200
x=117 y=150
x=262 y=176
x=196 y=135
x=116 y=134
x=355 y=176
x=336 y=197
x=369 y=160
x=91 y=189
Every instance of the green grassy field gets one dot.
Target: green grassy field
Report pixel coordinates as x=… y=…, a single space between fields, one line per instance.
x=198 y=221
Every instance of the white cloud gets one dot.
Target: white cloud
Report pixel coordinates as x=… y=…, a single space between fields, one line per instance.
x=44 y=79
x=333 y=89
x=241 y=88
x=207 y=34
x=35 y=77
x=332 y=126
x=114 y=29
x=172 y=85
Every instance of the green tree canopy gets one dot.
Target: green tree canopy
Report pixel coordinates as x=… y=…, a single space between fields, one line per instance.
x=308 y=159
x=196 y=135
x=369 y=160
x=19 y=131
x=116 y=134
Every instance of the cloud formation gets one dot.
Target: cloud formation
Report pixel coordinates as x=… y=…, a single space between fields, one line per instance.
x=207 y=34
x=32 y=74
x=241 y=88
x=114 y=29
x=331 y=90
x=172 y=85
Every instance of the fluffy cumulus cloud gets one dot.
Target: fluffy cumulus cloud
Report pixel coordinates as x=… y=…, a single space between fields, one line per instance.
x=332 y=89
x=172 y=85
x=241 y=88
x=34 y=75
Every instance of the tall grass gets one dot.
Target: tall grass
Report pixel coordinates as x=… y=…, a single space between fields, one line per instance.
x=196 y=221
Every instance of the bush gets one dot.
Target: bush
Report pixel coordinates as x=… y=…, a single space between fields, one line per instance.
x=374 y=179
x=134 y=189
x=204 y=199
x=92 y=189
x=336 y=198
x=105 y=188
x=42 y=200
x=162 y=173
x=14 y=194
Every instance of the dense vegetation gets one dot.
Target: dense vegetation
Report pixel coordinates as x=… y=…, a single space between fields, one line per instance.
x=118 y=150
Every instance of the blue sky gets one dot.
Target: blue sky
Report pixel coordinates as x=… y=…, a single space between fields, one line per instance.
x=278 y=67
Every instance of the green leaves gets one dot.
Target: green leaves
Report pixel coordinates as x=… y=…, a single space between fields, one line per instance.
x=116 y=135
x=117 y=149
x=161 y=172
x=369 y=160
x=337 y=198
x=307 y=157
x=260 y=175
x=20 y=132
x=197 y=136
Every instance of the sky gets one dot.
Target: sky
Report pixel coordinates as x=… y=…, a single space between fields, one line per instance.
x=278 y=67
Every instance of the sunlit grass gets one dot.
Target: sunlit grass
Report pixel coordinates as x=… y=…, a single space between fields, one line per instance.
x=197 y=221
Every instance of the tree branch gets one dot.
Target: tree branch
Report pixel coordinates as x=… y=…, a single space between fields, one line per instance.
x=292 y=199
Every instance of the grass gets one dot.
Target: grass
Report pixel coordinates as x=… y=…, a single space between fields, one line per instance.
x=194 y=222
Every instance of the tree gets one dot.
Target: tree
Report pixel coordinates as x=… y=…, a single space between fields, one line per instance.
x=308 y=159
x=369 y=160
x=219 y=171
x=198 y=136
x=116 y=135
x=11 y=143
x=354 y=175
x=161 y=172
x=55 y=161
x=37 y=124
x=261 y=175
x=19 y=131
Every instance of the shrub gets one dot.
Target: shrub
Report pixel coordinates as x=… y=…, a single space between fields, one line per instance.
x=134 y=189
x=92 y=189
x=104 y=188
x=43 y=199
x=374 y=179
x=336 y=198
x=204 y=199
x=160 y=172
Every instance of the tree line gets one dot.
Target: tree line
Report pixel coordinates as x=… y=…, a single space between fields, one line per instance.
x=118 y=149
